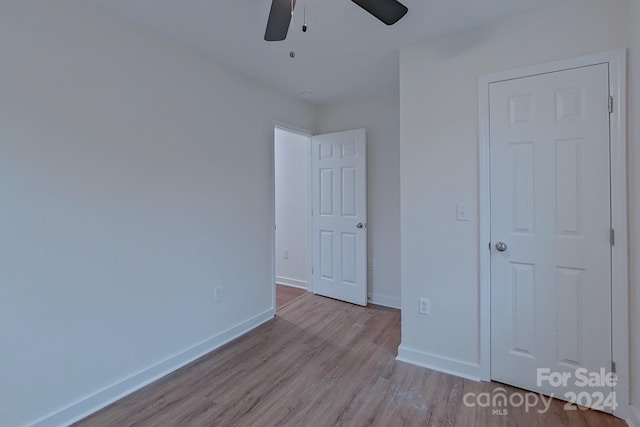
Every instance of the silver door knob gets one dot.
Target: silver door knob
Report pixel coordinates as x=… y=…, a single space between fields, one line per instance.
x=359 y=225
x=501 y=246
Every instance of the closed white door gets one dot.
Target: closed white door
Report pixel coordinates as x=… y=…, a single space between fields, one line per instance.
x=550 y=231
x=340 y=216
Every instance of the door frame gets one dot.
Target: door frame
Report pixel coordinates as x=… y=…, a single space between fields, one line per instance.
x=309 y=134
x=616 y=60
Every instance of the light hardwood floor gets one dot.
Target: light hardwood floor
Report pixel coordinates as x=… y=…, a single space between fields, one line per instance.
x=287 y=294
x=321 y=362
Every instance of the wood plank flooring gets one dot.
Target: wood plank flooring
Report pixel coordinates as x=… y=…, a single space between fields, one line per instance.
x=287 y=294
x=321 y=362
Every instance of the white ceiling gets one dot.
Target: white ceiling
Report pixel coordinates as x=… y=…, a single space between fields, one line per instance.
x=346 y=52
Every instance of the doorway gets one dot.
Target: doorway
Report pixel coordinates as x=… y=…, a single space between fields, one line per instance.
x=320 y=199
x=292 y=153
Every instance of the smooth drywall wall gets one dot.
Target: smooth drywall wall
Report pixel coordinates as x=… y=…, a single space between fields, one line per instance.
x=380 y=117
x=136 y=176
x=292 y=158
x=439 y=161
x=634 y=199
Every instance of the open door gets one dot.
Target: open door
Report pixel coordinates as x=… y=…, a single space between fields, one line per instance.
x=339 y=215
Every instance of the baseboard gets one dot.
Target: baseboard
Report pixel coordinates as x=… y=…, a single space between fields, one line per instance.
x=108 y=395
x=294 y=283
x=439 y=363
x=384 y=300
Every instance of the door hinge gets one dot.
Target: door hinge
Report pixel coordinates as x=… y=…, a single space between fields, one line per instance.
x=612 y=237
x=613 y=367
x=610 y=104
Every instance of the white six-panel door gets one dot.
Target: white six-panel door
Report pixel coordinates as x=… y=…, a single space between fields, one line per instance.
x=339 y=237
x=550 y=206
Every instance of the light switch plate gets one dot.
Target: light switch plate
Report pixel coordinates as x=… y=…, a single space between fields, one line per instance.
x=462 y=212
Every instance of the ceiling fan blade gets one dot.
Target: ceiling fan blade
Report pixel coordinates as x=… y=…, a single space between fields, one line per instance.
x=388 y=11
x=279 y=20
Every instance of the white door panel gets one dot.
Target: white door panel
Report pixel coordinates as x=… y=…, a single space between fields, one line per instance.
x=339 y=216
x=550 y=204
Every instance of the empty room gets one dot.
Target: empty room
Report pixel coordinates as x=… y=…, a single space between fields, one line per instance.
x=319 y=213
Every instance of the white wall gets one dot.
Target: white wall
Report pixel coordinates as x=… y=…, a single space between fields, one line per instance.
x=379 y=116
x=439 y=161
x=135 y=177
x=292 y=158
x=634 y=199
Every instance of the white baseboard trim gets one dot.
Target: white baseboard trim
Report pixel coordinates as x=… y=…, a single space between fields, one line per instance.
x=384 y=300
x=439 y=363
x=90 y=404
x=294 y=283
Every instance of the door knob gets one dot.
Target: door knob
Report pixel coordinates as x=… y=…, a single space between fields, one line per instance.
x=359 y=225
x=501 y=246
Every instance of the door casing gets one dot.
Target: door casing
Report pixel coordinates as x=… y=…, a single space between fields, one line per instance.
x=619 y=251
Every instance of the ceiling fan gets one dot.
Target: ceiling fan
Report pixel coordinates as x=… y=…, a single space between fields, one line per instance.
x=387 y=11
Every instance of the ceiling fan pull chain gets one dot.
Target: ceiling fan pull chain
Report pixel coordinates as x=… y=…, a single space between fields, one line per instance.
x=304 y=17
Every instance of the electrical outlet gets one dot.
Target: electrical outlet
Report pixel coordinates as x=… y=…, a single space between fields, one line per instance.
x=219 y=294
x=285 y=253
x=425 y=306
